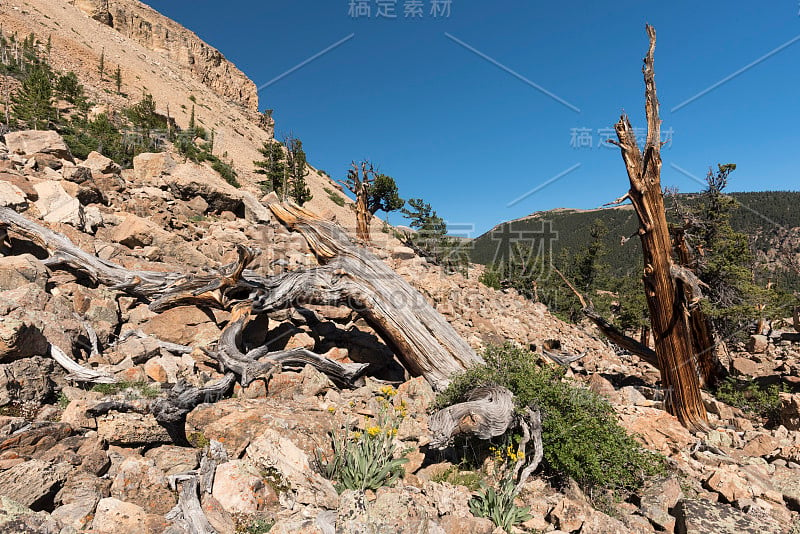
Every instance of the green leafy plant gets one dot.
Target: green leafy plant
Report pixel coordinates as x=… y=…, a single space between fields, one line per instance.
x=762 y=401
x=498 y=505
x=458 y=477
x=365 y=460
x=581 y=436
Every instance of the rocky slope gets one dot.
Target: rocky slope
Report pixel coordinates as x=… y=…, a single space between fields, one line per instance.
x=66 y=471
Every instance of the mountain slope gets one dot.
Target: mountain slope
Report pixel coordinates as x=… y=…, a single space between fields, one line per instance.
x=770 y=218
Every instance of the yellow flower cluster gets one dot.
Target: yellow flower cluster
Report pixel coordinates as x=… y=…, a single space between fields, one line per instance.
x=388 y=391
x=401 y=409
x=373 y=430
x=510 y=453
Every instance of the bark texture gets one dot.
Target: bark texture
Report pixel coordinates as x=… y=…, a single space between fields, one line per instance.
x=666 y=302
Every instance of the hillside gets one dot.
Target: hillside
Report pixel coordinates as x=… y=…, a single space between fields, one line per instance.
x=770 y=218
x=180 y=354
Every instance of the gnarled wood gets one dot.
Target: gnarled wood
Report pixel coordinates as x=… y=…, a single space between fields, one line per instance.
x=668 y=316
x=486 y=413
x=78 y=372
x=427 y=344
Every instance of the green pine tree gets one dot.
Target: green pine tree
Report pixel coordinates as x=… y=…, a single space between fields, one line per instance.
x=118 y=79
x=272 y=167
x=297 y=168
x=101 y=66
x=32 y=104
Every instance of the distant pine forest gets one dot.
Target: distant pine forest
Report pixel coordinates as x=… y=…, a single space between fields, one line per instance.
x=767 y=217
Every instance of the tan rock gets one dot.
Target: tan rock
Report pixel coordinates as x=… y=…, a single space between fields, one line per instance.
x=240 y=489
x=761 y=445
x=114 y=516
x=745 y=366
x=184 y=325
x=55 y=205
x=757 y=344
x=29 y=142
x=271 y=450
x=139 y=481
x=729 y=485
x=790 y=410
x=149 y=167
x=12 y=196
x=131 y=429
x=100 y=164
x=16 y=271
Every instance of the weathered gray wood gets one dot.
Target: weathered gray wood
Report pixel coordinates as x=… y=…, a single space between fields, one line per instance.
x=77 y=371
x=427 y=343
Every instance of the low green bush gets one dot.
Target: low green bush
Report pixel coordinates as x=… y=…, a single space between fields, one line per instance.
x=581 y=436
x=759 y=400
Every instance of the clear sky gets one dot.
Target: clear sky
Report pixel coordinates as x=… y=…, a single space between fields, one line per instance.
x=486 y=111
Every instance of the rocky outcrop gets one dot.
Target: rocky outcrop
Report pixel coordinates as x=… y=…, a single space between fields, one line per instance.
x=160 y=34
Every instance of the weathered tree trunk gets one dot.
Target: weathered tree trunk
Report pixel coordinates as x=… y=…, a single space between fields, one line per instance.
x=704 y=346
x=427 y=344
x=796 y=318
x=359 y=179
x=666 y=304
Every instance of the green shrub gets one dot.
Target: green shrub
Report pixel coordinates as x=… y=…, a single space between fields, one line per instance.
x=499 y=505
x=141 y=389
x=226 y=171
x=490 y=277
x=580 y=433
x=457 y=477
x=335 y=197
x=759 y=400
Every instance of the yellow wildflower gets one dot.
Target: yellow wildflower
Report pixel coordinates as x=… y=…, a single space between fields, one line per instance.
x=373 y=430
x=388 y=391
x=332 y=408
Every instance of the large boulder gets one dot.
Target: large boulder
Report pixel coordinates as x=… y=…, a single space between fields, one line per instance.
x=99 y=163
x=16 y=271
x=701 y=516
x=34 y=483
x=55 y=205
x=275 y=452
x=12 y=196
x=29 y=142
x=149 y=167
x=26 y=380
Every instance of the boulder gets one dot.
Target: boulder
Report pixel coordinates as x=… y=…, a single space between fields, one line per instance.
x=55 y=205
x=16 y=518
x=757 y=344
x=240 y=489
x=658 y=499
x=26 y=380
x=114 y=516
x=701 y=516
x=273 y=451
x=131 y=429
x=99 y=163
x=189 y=180
x=139 y=481
x=403 y=253
x=149 y=167
x=135 y=231
x=29 y=142
x=184 y=325
x=745 y=366
x=78 y=499
x=12 y=197
x=16 y=271
x=729 y=485
x=172 y=459
x=34 y=483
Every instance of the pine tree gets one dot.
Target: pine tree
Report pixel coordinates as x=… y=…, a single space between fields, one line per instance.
x=297 y=171
x=118 y=79
x=32 y=104
x=192 y=120
x=101 y=66
x=272 y=167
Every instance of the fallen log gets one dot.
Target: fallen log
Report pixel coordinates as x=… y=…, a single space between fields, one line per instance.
x=427 y=344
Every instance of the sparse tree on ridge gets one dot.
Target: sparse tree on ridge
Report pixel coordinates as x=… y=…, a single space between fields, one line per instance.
x=374 y=192
x=296 y=171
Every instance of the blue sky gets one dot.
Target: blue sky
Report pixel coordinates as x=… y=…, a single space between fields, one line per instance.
x=470 y=138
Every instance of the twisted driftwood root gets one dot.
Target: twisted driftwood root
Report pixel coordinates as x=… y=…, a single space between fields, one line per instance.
x=486 y=413
x=189 y=512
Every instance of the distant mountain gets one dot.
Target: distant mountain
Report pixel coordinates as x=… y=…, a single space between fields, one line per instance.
x=770 y=218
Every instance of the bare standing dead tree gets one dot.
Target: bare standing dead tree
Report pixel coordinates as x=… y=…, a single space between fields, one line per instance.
x=664 y=280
